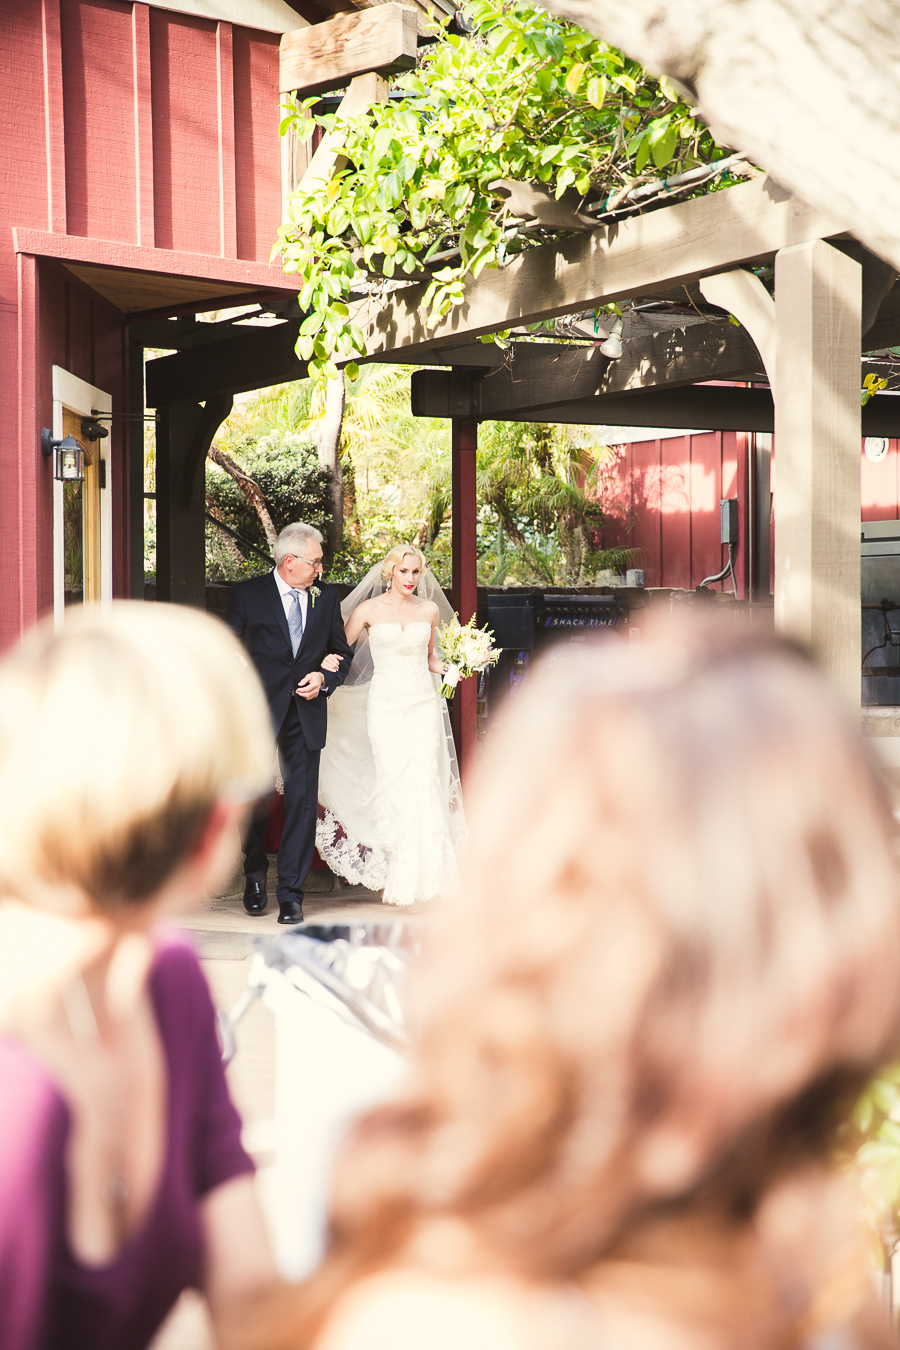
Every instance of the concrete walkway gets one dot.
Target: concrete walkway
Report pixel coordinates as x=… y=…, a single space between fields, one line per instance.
x=223 y=933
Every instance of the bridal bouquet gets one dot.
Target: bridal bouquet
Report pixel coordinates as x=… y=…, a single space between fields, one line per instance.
x=466 y=650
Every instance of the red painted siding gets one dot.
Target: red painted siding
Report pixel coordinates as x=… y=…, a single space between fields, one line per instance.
x=124 y=123
x=667 y=505
x=98 y=82
x=23 y=192
x=257 y=114
x=185 y=132
x=880 y=485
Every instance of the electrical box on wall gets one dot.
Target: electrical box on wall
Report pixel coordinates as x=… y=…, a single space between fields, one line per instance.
x=729 y=509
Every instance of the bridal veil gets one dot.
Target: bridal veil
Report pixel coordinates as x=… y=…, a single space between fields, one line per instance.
x=347 y=833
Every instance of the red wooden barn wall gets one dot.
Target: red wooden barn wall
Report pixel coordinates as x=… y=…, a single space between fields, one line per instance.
x=880 y=486
x=125 y=123
x=667 y=504
x=667 y=494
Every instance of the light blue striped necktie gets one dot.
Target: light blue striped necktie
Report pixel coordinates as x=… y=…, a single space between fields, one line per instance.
x=295 y=621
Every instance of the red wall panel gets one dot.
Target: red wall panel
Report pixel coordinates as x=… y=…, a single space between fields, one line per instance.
x=666 y=505
x=257 y=114
x=99 y=123
x=80 y=80
x=706 y=556
x=184 y=97
x=880 y=485
x=674 y=496
x=23 y=200
x=646 y=524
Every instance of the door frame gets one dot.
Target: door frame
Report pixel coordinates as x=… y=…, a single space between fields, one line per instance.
x=81 y=398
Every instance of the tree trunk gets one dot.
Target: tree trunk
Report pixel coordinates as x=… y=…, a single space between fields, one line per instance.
x=330 y=458
x=225 y=538
x=250 y=488
x=807 y=88
x=348 y=481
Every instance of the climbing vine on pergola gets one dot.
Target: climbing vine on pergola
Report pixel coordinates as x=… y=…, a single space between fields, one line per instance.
x=526 y=98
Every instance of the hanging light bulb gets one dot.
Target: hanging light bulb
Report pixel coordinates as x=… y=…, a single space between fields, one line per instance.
x=612 y=347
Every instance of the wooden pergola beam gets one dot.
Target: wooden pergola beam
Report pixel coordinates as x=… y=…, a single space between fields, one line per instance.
x=536 y=375
x=659 y=251
x=252 y=359
x=458 y=393
x=329 y=55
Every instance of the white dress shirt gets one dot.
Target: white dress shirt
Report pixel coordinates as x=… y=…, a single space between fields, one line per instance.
x=287 y=593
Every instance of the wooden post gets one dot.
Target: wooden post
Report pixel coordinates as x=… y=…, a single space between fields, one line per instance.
x=818 y=296
x=184 y=433
x=465 y=572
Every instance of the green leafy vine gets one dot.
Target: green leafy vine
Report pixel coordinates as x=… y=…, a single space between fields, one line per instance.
x=525 y=97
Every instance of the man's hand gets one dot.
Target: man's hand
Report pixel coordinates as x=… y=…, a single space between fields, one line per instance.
x=310 y=685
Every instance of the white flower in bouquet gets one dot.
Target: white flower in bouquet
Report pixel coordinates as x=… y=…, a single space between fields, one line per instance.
x=466 y=650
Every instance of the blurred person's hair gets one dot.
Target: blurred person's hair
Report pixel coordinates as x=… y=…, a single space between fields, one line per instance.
x=394 y=557
x=295 y=540
x=118 y=734
x=674 y=964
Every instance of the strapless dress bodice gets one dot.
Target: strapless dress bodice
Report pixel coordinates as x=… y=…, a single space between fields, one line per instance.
x=400 y=651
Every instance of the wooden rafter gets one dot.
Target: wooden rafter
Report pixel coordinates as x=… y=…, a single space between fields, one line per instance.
x=457 y=393
x=535 y=376
x=663 y=249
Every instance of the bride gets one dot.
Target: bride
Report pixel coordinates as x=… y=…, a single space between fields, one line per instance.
x=390 y=807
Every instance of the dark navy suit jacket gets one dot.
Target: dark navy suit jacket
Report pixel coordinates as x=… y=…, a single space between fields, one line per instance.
x=256 y=615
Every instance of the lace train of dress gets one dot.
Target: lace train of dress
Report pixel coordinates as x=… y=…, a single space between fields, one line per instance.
x=388 y=816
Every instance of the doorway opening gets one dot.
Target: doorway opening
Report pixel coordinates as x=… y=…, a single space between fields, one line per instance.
x=82 y=511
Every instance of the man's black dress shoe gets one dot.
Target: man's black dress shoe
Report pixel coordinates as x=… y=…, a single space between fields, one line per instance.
x=255 y=897
x=290 y=911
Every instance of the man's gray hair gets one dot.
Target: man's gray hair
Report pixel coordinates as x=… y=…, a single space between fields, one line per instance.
x=295 y=539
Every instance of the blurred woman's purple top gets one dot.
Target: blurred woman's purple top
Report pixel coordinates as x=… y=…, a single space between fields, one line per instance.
x=48 y=1300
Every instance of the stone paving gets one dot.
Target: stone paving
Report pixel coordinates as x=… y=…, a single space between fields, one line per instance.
x=222 y=932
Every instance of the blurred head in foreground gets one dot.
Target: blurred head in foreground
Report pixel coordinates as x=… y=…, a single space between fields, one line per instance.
x=121 y=737
x=674 y=965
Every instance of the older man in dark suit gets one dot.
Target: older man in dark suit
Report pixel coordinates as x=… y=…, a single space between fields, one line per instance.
x=288 y=622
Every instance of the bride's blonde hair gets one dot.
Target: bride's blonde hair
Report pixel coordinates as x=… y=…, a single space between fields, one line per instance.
x=396 y=556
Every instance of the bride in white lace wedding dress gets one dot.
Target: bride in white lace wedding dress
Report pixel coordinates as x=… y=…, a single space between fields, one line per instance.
x=390 y=808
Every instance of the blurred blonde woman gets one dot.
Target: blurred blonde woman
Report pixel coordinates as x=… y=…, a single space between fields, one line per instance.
x=131 y=745
x=391 y=814
x=674 y=966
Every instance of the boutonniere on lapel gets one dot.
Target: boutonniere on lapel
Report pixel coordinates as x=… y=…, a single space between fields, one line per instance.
x=313 y=592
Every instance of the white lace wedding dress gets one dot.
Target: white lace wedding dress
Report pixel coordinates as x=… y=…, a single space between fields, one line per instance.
x=389 y=804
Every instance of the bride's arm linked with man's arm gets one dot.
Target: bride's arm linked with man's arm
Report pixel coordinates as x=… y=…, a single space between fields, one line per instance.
x=337 y=660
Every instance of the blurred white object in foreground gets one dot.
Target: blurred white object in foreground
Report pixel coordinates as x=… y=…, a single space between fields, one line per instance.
x=339 y=1035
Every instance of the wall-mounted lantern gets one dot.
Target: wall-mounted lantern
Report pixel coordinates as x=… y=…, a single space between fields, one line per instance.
x=68 y=457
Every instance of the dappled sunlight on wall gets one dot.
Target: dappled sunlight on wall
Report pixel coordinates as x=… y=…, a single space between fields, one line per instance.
x=667 y=503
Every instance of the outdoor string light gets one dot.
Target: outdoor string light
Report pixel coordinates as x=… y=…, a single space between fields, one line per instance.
x=68 y=457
